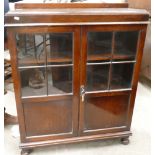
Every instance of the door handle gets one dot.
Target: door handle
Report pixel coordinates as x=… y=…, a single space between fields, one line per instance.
x=82 y=93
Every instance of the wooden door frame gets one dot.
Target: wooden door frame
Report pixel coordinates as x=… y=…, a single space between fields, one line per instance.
x=16 y=78
x=141 y=40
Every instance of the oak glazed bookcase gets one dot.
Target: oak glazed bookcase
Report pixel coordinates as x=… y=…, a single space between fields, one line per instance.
x=75 y=70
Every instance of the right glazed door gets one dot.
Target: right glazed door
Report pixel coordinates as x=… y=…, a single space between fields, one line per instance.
x=107 y=69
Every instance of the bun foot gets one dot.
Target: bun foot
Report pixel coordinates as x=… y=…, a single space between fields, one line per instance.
x=125 y=141
x=26 y=151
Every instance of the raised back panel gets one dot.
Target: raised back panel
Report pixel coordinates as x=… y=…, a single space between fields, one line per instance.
x=68 y=5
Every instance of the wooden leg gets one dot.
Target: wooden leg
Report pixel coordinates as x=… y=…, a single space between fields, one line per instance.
x=125 y=140
x=26 y=151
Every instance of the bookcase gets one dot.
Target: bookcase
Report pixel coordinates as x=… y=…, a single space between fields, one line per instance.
x=75 y=71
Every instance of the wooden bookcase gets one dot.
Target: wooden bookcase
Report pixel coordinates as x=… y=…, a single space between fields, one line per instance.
x=75 y=71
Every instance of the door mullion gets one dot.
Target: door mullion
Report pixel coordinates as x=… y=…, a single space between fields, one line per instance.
x=45 y=52
x=111 y=58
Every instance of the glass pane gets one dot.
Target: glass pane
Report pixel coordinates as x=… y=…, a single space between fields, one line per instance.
x=97 y=77
x=30 y=48
x=126 y=45
x=121 y=76
x=59 y=48
x=99 y=45
x=33 y=82
x=59 y=80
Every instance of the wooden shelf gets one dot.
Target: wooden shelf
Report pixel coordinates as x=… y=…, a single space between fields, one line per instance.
x=108 y=57
x=99 y=57
x=123 y=57
x=32 y=61
x=59 y=59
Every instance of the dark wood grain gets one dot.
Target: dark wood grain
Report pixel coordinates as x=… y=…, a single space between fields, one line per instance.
x=17 y=86
x=116 y=135
x=96 y=108
x=75 y=16
x=76 y=82
x=44 y=118
x=83 y=62
x=136 y=73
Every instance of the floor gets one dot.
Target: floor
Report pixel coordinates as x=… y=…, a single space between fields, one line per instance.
x=139 y=141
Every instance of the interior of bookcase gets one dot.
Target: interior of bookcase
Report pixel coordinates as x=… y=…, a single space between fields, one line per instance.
x=46 y=61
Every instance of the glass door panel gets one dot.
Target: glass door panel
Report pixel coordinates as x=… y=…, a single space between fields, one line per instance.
x=125 y=45
x=99 y=46
x=60 y=80
x=33 y=82
x=117 y=46
x=97 y=77
x=30 y=49
x=60 y=63
x=45 y=63
x=121 y=75
x=32 y=64
x=59 y=48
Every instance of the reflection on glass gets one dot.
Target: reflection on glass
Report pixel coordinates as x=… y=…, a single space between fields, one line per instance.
x=98 y=62
x=59 y=49
x=33 y=82
x=99 y=45
x=30 y=48
x=121 y=76
x=59 y=80
x=125 y=45
x=97 y=77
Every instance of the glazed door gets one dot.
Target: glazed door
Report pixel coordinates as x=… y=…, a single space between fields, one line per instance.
x=48 y=67
x=108 y=60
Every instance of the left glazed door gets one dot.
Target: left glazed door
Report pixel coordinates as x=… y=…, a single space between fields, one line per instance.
x=48 y=60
